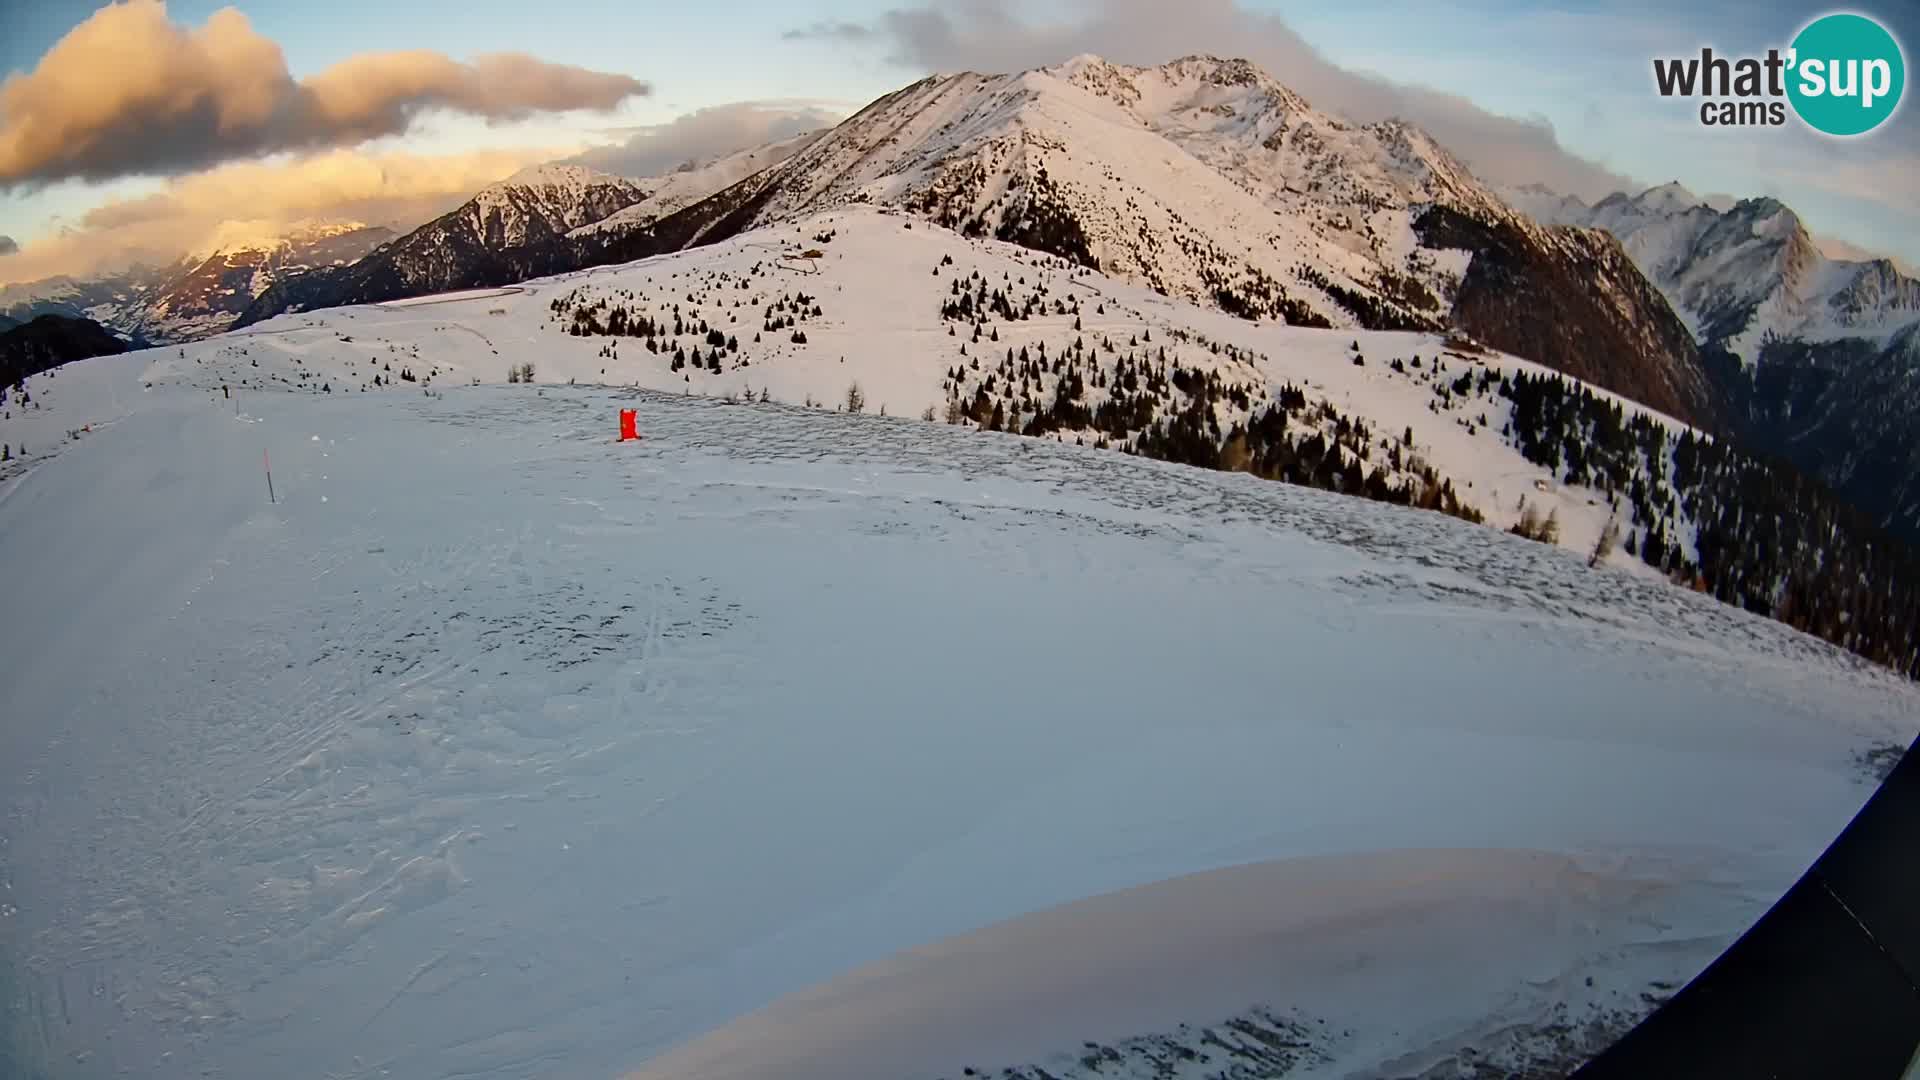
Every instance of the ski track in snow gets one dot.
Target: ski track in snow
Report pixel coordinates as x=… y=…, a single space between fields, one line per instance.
x=495 y=748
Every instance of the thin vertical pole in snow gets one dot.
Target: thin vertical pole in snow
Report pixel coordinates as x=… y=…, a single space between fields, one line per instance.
x=269 y=464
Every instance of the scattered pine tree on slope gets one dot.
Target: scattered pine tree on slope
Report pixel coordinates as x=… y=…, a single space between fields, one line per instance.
x=1767 y=537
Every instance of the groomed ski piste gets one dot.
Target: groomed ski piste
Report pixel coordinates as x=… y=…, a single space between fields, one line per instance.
x=792 y=743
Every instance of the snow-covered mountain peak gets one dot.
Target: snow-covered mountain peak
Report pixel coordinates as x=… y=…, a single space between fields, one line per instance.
x=555 y=175
x=1834 y=332
x=556 y=187
x=1194 y=92
x=267 y=237
x=1085 y=65
x=1204 y=179
x=1741 y=272
x=1099 y=77
x=1237 y=117
x=1668 y=198
x=1208 y=180
x=1770 y=218
x=545 y=200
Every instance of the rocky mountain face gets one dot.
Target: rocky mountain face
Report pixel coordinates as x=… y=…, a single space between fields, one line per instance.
x=200 y=295
x=1205 y=179
x=1210 y=181
x=1812 y=358
x=1576 y=303
x=1743 y=272
x=510 y=231
x=204 y=296
x=47 y=341
x=112 y=299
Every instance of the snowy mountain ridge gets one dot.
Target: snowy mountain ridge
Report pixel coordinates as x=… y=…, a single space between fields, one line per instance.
x=1203 y=179
x=1207 y=180
x=892 y=320
x=249 y=236
x=1817 y=359
x=1225 y=112
x=211 y=287
x=478 y=738
x=511 y=230
x=1744 y=273
x=542 y=201
x=694 y=181
x=205 y=291
x=1087 y=141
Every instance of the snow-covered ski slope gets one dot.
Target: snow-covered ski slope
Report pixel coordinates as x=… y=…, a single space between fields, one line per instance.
x=495 y=748
x=880 y=282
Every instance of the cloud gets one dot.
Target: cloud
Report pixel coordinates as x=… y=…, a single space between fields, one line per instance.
x=127 y=92
x=1885 y=179
x=1834 y=247
x=197 y=212
x=986 y=35
x=707 y=133
x=844 y=31
x=7 y=246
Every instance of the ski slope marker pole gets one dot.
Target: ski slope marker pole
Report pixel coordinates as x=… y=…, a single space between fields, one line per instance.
x=269 y=464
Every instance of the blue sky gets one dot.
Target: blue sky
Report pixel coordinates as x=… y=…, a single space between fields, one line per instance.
x=1586 y=69
x=1579 y=72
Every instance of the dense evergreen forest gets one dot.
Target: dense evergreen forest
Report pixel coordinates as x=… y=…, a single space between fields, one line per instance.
x=1766 y=537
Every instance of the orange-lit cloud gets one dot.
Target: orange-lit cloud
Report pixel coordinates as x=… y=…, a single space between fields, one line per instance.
x=128 y=92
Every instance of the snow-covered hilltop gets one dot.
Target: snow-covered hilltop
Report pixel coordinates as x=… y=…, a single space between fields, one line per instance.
x=1203 y=179
x=1208 y=180
x=1250 y=165
x=492 y=745
x=1207 y=187
x=517 y=748
x=988 y=334
x=927 y=321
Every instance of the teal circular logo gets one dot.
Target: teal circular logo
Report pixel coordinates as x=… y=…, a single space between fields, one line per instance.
x=1846 y=74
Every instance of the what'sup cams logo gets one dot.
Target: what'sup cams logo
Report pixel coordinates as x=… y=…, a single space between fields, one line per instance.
x=1843 y=75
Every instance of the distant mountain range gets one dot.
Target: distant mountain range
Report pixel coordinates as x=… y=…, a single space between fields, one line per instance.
x=1813 y=358
x=510 y=231
x=200 y=294
x=544 y=220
